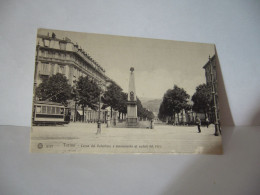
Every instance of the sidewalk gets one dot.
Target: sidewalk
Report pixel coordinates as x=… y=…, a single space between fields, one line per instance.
x=161 y=139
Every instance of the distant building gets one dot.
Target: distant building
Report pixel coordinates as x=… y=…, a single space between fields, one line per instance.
x=55 y=55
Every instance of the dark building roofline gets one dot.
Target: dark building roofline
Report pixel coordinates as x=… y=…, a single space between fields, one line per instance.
x=212 y=58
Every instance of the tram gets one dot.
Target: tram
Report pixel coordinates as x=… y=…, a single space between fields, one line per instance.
x=50 y=113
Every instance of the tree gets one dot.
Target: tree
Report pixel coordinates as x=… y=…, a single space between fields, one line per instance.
x=122 y=104
x=174 y=100
x=202 y=98
x=88 y=93
x=142 y=112
x=55 y=89
x=113 y=96
x=162 y=113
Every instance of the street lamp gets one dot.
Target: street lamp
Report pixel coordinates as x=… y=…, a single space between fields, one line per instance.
x=75 y=113
x=99 y=110
x=76 y=98
x=214 y=99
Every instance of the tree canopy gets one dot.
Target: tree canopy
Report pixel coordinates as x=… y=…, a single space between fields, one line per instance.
x=88 y=92
x=122 y=107
x=202 y=98
x=174 y=100
x=55 y=89
x=113 y=96
x=142 y=112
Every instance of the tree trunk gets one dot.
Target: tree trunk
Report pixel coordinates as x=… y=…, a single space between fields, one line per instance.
x=83 y=113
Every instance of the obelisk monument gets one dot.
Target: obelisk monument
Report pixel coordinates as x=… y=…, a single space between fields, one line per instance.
x=131 y=102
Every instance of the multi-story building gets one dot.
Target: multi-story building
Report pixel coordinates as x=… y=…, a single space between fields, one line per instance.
x=55 y=55
x=211 y=72
x=211 y=80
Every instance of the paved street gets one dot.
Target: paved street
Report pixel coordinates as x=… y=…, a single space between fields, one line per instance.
x=82 y=138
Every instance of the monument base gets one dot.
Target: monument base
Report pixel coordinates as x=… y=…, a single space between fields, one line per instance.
x=131 y=122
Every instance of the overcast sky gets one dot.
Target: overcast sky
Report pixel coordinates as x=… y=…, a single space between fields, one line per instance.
x=159 y=64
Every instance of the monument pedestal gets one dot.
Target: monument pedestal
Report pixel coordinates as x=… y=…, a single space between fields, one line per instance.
x=131 y=122
x=131 y=114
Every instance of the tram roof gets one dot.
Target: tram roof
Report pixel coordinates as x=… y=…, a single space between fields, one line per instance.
x=48 y=103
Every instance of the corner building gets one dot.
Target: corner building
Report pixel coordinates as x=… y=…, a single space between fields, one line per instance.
x=54 y=55
x=211 y=79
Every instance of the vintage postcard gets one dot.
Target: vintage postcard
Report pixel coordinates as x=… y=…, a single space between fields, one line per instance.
x=98 y=93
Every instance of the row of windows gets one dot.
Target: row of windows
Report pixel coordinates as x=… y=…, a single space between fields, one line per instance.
x=59 y=55
x=49 y=110
x=208 y=74
x=49 y=43
x=52 y=54
x=49 y=69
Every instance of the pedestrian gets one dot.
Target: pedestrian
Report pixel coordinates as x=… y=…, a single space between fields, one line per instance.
x=198 y=123
x=207 y=122
x=151 y=124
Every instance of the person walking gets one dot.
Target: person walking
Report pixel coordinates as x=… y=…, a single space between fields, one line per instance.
x=207 y=122
x=198 y=123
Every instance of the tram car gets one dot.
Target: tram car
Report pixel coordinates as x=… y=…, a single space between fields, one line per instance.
x=50 y=113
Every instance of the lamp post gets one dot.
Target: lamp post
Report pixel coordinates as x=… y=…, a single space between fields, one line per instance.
x=75 y=114
x=99 y=110
x=214 y=99
x=76 y=98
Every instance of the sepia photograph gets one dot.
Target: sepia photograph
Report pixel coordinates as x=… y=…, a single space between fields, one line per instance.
x=108 y=94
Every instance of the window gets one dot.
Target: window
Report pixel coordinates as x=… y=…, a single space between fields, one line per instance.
x=44 y=109
x=51 y=54
x=46 y=42
x=44 y=70
x=62 y=70
x=49 y=110
x=57 y=110
x=63 y=46
x=38 y=109
x=43 y=53
x=53 y=110
x=52 y=69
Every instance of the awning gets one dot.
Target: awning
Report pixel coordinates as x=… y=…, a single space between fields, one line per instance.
x=80 y=112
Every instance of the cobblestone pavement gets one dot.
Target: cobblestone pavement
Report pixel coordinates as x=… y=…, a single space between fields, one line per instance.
x=82 y=138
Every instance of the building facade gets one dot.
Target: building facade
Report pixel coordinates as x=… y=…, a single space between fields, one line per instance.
x=211 y=72
x=211 y=80
x=60 y=55
x=55 y=55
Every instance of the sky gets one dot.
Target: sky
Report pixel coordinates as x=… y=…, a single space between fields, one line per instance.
x=158 y=64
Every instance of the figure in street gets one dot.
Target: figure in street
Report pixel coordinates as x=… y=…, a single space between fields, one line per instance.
x=198 y=123
x=207 y=122
x=151 y=124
